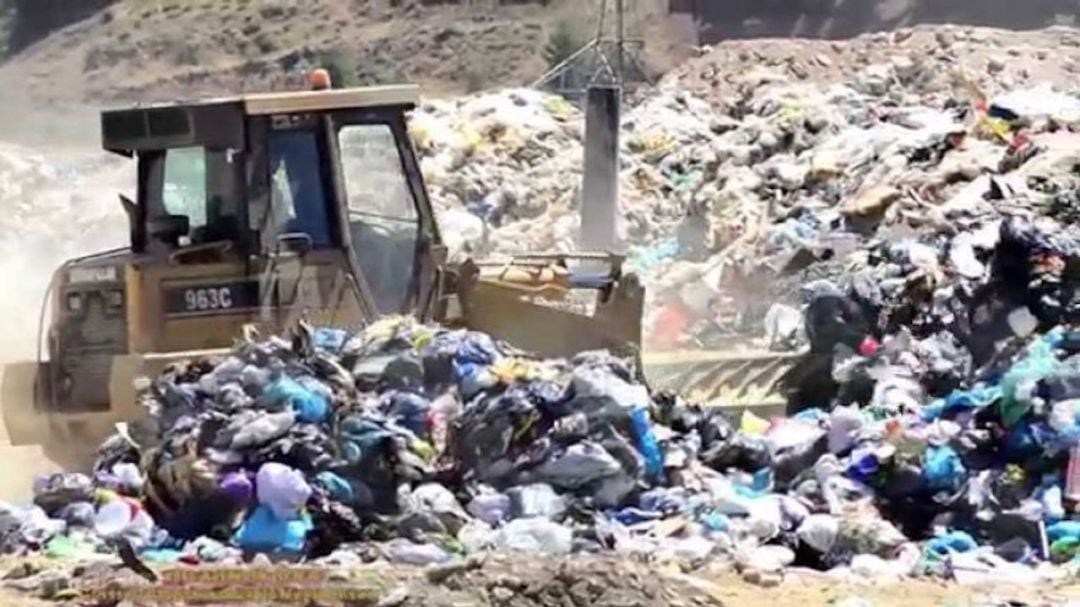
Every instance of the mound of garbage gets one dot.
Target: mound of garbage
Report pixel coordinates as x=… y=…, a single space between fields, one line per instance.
x=783 y=160
x=418 y=444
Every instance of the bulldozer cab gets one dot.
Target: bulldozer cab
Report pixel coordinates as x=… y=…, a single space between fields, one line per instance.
x=258 y=208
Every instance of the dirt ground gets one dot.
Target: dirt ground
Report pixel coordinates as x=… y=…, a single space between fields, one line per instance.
x=525 y=581
x=940 y=55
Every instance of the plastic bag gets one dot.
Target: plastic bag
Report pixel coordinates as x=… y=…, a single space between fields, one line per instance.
x=338 y=488
x=943 y=468
x=263 y=429
x=1019 y=381
x=434 y=498
x=647 y=444
x=535 y=535
x=476 y=536
x=264 y=531
x=490 y=507
x=54 y=491
x=281 y=489
x=819 y=531
x=537 y=500
x=408 y=553
x=409 y=410
x=844 y=425
x=955 y=541
x=578 y=466
x=309 y=397
x=124 y=517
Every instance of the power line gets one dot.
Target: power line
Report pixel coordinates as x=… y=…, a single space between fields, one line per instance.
x=609 y=58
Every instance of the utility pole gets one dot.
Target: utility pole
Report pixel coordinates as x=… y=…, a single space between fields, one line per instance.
x=621 y=35
x=611 y=68
x=610 y=58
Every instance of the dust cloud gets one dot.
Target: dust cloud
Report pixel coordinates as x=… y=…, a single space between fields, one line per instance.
x=58 y=200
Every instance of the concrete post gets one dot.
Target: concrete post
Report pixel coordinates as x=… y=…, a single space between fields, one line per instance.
x=600 y=191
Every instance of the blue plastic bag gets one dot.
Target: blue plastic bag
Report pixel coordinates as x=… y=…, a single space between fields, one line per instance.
x=715 y=521
x=329 y=340
x=338 y=488
x=955 y=541
x=975 y=398
x=647 y=443
x=264 y=532
x=1040 y=362
x=408 y=409
x=312 y=406
x=942 y=468
x=1062 y=530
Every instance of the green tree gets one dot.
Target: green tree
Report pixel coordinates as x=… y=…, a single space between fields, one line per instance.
x=565 y=40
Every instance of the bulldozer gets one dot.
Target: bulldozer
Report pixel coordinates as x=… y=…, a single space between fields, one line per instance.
x=263 y=210
x=260 y=211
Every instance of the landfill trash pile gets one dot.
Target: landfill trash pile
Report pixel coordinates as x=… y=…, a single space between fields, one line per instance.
x=783 y=167
x=836 y=149
x=418 y=445
x=504 y=168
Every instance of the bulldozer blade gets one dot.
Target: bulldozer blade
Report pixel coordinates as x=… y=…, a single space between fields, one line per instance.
x=735 y=381
x=25 y=445
x=35 y=440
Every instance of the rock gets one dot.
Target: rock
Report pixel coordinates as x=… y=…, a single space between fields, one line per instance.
x=502 y=595
x=765 y=579
x=396 y=598
x=995 y=66
x=874 y=79
x=870 y=566
x=338 y=576
x=22 y=570
x=438 y=573
x=872 y=202
x=765 y=558
x=723 y=124
x=905 y=68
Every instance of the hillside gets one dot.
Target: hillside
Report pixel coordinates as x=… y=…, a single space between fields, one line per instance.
x=138 y=49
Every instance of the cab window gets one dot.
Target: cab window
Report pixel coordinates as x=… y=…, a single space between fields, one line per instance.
x=184 y=191
x=298 y=196
x=199 y=185
x=383 y=219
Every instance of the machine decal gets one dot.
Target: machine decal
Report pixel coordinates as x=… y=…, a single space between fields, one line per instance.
x=212 y=298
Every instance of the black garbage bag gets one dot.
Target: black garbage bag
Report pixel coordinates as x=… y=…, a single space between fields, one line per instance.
x=788 y=464
x=53 y=492
x=834 y=319
x=713 y=427
x=743 y=452
x=334 y=524
x=1060 y=386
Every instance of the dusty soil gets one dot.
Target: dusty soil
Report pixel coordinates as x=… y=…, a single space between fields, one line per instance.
x=948 y=56
x=529 y=581
x=140 y=50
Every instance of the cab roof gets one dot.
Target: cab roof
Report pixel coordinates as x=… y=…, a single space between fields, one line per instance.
x=332 y=99
x=219 y=121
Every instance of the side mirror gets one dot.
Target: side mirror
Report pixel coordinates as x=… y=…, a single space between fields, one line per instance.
x=135 y=228
x=129 y=207
x=295 y=242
